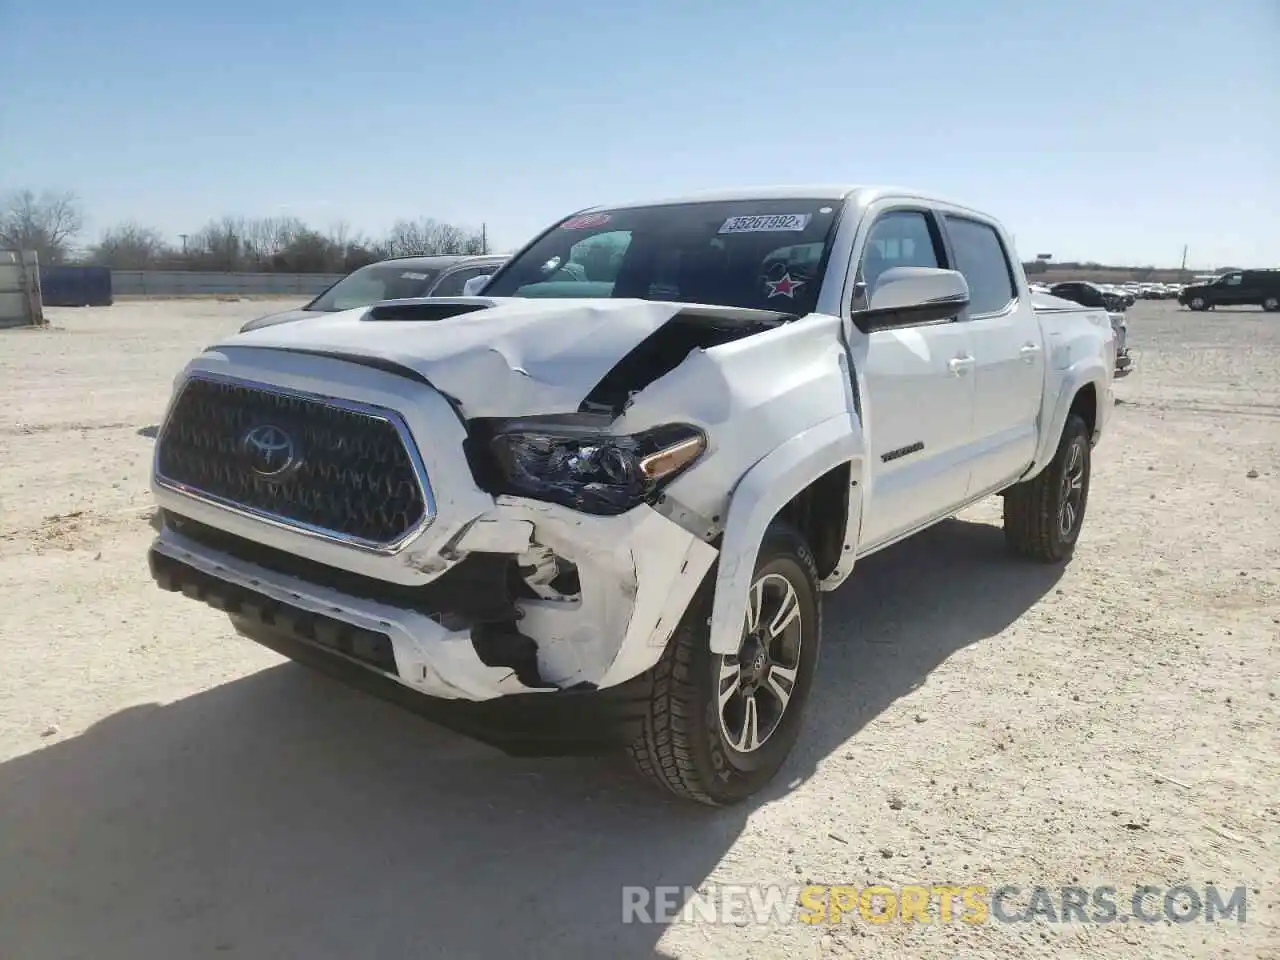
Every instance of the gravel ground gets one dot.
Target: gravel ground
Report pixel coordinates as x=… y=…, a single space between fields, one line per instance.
x=170 y=790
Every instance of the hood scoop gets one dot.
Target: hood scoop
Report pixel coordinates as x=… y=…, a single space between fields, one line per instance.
x=421 y=311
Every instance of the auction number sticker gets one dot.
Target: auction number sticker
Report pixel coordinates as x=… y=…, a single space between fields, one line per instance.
x=588 y=221
x=767 y=223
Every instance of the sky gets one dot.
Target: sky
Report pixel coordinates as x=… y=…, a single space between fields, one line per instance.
x=1108 y=130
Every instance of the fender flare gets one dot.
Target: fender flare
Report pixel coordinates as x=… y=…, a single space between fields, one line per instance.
x=1073 y=379
x=764 y=490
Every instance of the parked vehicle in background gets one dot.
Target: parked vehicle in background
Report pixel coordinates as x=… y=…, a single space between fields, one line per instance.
x=1091 y=295
x=394 y=279
x=1241 y=288
x=598 y=505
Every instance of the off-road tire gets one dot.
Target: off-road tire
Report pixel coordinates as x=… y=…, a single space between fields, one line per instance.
x=1032 y=526
x=680 y=744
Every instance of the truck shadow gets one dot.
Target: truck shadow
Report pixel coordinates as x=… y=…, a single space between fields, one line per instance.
x=285 y=815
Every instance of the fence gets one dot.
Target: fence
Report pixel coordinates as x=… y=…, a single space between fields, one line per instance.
x=20 y=304
x=170 y=283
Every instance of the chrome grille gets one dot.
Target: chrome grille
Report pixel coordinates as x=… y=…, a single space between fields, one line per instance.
x=332 y=468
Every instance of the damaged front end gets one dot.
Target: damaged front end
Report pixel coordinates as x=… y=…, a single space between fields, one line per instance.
x=426 y=535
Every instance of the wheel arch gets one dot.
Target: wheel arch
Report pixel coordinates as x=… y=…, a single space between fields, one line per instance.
x=1083 y=390
x=808 y=474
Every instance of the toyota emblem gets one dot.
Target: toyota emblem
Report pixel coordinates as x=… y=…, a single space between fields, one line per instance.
x=269 y=450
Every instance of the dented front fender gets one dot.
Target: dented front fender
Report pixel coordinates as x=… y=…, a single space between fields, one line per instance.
x=765 y=489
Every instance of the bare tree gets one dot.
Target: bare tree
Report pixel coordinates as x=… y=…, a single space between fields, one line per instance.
x=130 y=246
x=218 y=245
x=266 y=238
x=48 y=223
x=427 y=237
x=349 y=250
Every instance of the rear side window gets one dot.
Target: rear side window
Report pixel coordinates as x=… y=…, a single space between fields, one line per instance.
x=981 y=257
x=451 y=285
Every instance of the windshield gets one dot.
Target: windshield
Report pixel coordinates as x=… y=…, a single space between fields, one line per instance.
x=378 y=281
x=763 y=254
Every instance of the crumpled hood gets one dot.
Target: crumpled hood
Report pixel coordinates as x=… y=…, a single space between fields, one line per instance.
x=516 y=357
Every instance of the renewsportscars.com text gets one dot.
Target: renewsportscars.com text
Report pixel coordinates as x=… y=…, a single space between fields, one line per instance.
x=933 y=903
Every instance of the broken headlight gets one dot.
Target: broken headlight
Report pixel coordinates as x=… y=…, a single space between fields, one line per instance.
x=592 y=471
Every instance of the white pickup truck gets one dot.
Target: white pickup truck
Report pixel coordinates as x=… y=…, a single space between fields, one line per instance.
x=598 y=503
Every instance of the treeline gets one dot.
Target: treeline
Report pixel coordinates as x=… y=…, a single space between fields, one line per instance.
x=52 y=224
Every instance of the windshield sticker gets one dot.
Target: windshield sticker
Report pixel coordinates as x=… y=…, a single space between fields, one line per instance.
x=768 y=223
x=784 y=286
x=415 y=276
x=585 y=222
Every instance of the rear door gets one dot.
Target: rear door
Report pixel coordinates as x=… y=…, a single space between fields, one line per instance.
x=917 y=388
x=1008 y=378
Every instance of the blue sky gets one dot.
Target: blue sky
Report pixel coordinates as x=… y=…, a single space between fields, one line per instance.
x=1113 y=130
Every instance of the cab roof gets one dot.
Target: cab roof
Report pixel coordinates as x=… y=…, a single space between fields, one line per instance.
x=835 y=192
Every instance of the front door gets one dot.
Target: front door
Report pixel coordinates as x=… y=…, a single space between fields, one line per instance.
x=917 y=393
x=1008 y=378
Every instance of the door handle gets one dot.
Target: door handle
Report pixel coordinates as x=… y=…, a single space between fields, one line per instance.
x=1029 y=351
x=959 y=365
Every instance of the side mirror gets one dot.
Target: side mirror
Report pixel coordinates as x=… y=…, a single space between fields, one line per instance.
x=473 y=286
x=904 y=296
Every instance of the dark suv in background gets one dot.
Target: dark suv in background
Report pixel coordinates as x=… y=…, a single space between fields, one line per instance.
x=1241 y=288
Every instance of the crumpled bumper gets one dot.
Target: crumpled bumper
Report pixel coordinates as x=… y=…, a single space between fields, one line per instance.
x=636 y=575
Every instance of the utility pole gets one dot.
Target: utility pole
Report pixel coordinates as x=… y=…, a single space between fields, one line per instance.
x=183 y=237
x=1183 y=269
x=484 y=238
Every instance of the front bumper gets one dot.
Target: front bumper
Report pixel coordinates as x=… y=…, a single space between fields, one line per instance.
x=406 y=646
x=636 y=575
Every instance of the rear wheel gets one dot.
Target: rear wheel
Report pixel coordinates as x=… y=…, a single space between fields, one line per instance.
x=1043 y=516
x=717 y=728
x=1271 y=304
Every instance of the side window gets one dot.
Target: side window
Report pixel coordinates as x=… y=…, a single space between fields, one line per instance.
x=452 y=284
x=902 y=238
x=981 y=257
x=1235 y=279
x=593 y=261
x=599 y=257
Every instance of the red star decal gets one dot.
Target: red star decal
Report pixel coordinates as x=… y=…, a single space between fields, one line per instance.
x=784 y=286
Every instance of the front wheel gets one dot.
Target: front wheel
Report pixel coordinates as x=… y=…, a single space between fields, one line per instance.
x=1199 y=303
x=1043 y=515
x=717 y=728
x=1271 y=304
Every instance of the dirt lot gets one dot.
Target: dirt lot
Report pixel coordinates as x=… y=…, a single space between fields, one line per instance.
x=169 y=790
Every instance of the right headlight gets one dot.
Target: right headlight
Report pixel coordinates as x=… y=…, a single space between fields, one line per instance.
x=592 y=471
